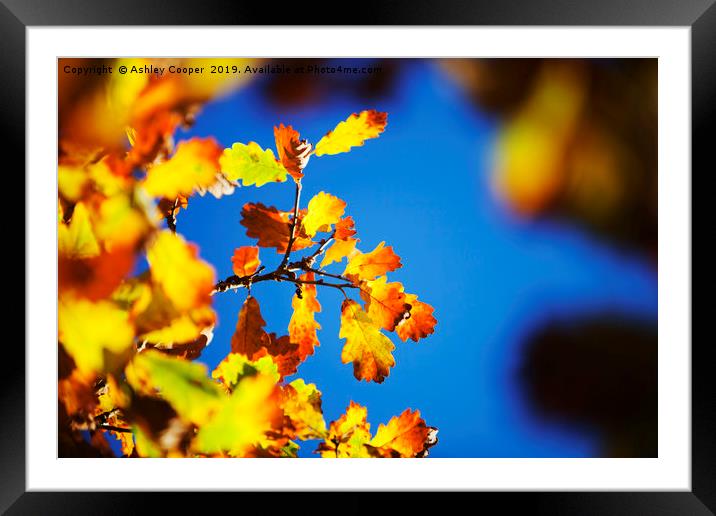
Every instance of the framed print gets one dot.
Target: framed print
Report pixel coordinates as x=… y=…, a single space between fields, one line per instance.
x=463 y=248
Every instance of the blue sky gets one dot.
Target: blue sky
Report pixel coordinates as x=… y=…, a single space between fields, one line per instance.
x=423 y=188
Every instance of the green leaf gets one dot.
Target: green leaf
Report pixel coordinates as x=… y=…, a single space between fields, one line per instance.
x=185 y=385
x=251 y=164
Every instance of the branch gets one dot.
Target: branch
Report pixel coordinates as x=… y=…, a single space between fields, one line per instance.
x=294 y=223
x=114 y=428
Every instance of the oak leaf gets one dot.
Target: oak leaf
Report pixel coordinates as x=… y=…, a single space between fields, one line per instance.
x=174 y=264
x=368 y=349
x=385 y=302
x=352 y=132
x=193 y=166
x=302 y=328
x=406 y=435
x=250 y=335
x=272 y=227
x=235 y=366
x=420 y=323
x=185 y=385
x=293 y=152
x=348 y=435
x=245 y=260
x=243 y=419
x=94 y=333
x=323 y=211
x=339 y=250
x=301 y=403
x=251 y=164
x=367 y=266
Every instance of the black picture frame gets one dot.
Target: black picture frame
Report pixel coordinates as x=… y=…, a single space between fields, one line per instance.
x=700 y=15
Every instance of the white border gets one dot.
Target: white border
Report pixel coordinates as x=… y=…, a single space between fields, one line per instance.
x=670 y=471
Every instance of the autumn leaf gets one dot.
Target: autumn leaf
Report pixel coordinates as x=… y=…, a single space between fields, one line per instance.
x=345 y=228
x=421 y=322
x=406 y=435
x=175 y=265
x=96 y=335
x=293 y=152
x=367 y=266
x=301 y=402
x=243 y=420
x=185 y=385
x=323 y=211
x=339 y=250
x=77 y=239
x=302 y=328
x=245 y=260
x=251 y=164
x=271 y=227
x=235 y=366
x=368 y=349
x=250 y=335
x=348 y=435
x=193 y=166
x=250 y=339
x=352 y=132
x=385 y=302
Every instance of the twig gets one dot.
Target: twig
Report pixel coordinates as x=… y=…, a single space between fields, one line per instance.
x=294 y=223
x=114 y=428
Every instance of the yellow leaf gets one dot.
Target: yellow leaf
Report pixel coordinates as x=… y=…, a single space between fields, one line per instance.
x=93 y=332
x=348 y=435
x=339 y=250
x=183 y=384
x=193 y=166
x=368 y=349
x=251 y=164
x=186 y=280
x=76 y=240
x=323 y=211
x=352 y=132
x=236 y=366
x=243 y=420
x=367 y=266
x=301 y=402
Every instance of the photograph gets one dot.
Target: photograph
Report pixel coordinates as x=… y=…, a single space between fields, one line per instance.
x=348 y=257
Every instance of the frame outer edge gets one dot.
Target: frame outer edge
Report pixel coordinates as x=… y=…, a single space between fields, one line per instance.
x=12 y=379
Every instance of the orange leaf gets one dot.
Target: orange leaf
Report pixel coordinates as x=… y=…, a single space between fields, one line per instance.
x=406 y=435
x=302 y=326
x=345 y=228
x=385 y=302
x=371 y=265
x=245 y=260
x=249 y=336
x=271 y=227
x=292 y=151
x=421 y=322
x=251 y=340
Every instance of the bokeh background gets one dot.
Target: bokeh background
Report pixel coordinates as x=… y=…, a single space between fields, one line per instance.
x=521 y=195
